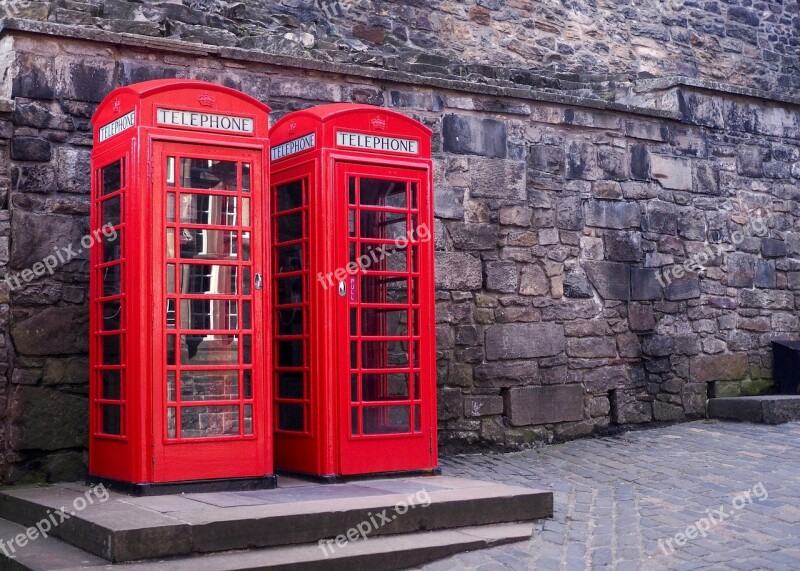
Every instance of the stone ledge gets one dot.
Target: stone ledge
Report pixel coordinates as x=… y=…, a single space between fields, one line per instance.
x=663 y=83
x=767 y=409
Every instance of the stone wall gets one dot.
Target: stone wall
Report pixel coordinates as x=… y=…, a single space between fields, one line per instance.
x=570 y=234
x=524 y=42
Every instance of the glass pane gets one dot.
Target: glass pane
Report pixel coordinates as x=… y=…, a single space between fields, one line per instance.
x=112 y=385
x=353 y=388
x=290 y=290
x=112 y=177
x=246 y=177
x=170 y=242
x=290 y=227
x=383 y=289
x=170 y=349
x=290 y=385
x=208 y=279
x=210 y=244
x=354 y=421
x=417 y=418
x=387 y=420
x=289 y=196
x=209 y=350
x=205 y=314
x=171 y=391
x=414 y=195
x=248 y=384
x=171 y=315
x=383 y=258
x=112 y=247
x=384 y=322
x=290 y=353
x=417 y=388
x=245 y=257
x=112 y=350
x=212 y=209
x=290 y=417
x=170 y=171
x=383 y=225
x=209 y=385
x=170 y=207
x=112 y=281
x=247 y=280
x=112 y=316
x=172 y=429
x=247 y=314
x=416 y=352
x=351 y=187
x=247 y=349
x=289 y=258
x=384 y=354
x=209 y=421
x=111 y=211
x=290 y=321
x=208 y=175
x=388 y=193
x=170 y=278
x=248 y=419
x=112 y=419
x=351 y=223
x=383 y=386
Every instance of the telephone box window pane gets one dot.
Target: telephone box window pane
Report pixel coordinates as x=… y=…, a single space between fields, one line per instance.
x=290 y=417
x=172 y=426
x=209 y=350
x=171 y=315
x=208 y=314
x=384 y=322
x=416 y=354
x=112 y=385
x=417 y=418
x=208 y=279
x=351 y=222
x=112 y=316
x=248 y=419
x=170 y=171
x=245 y=257
x=209 y=385
x=246 y=281
x=415 y=322
x=171 y=391
x=384 y=354
x=112 y=350
x=383 y=257
x=112 y=281
x=290 y=227
x=246 y=177
x=353 y=388
x=170 y=242
x=210 y=244
x=212 y=209
x=387 y=193
x=353 y=322
x=383 y=225
x=387 y=420
x=170 y=207
x=290 y=385
x=170 y=349
x=248 y=384
x=247 y=309
x=290 y=353
x=378 y=387
x=207 y=174
x=247 y=349
x=290 y=259
x=354 y=421
x=289 y=196
x=417 y=387
x=112 y=246
x=245 y=212
x=111 y=211
x=170 y=278
x=209 y=421
x=112 y=419
x=290 y=290
x=290 y=321
x=384 y=289
x=414 y=196
x=351 y=184
x=112 y=177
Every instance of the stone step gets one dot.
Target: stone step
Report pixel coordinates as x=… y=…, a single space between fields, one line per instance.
x=41 y=554
x=385 y=553
x=123 y=528
x=765 y=409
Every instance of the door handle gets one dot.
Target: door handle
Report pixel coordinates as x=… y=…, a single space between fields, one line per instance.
x=342 y=289
x=258 y=282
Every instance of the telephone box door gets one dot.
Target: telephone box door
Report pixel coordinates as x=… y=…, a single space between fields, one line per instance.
x=387 y=388
x=209 y=393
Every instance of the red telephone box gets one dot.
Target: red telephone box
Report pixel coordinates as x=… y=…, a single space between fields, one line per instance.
x=354 y=317
x=177 y=390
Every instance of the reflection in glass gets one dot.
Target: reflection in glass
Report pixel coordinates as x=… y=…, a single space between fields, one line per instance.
x=387 y=420
x=245 y=177
x=171 y=392
x=209 y=421
x=290 y=290
x=290 y=258
x=289 y=196
x=290 y=227
x=209 y=385
x=290 y=417
x=112 y=419
x=384 y=386
x=112 y=315
x=383 y=225
x=112 y=350
x=112 y=247
x=290 y=321
x=384 y=322
x=112 y=280
x=248 y=384
x=290 y=353
x=111 y=210
x=354 y=421
x=209 y=350
x=172 y=428
x=208 y=174
x=417 y=418
x=213 y=209
x=384 y=289
x=170 y=207
x=248 y=419
x=170 y=171
x=207 y=314
x=384 y=354
x=170 y=349
x=112 y=177
x=208 y=279
x=112 y=385
x=290 y=385
x=247 y=349
x=210 y=244
x=386 y=193
x=245 y=212
x=247 y=312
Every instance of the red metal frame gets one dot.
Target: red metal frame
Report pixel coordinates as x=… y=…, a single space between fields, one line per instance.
x=327 y=446
x=236 y=131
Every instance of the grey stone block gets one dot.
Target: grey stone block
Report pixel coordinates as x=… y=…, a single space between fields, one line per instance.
x=467 y=135
x=612 y=214
x=544 y=405
x=611 y=280
x=524 y=340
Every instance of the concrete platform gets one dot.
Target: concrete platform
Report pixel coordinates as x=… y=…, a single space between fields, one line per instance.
x=396 y=514
x=766 y=409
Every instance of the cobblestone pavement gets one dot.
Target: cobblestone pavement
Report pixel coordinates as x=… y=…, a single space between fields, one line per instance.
x=616 y=497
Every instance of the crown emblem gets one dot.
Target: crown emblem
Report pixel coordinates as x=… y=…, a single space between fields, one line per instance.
x=378 y=123
x=117 y=105
x=206 y=100
x=292 y=127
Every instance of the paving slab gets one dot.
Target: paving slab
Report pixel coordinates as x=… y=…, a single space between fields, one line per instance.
x=766 y=409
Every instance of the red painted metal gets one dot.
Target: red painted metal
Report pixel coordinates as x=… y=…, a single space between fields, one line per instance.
x=354 y=345
x=178 y=328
